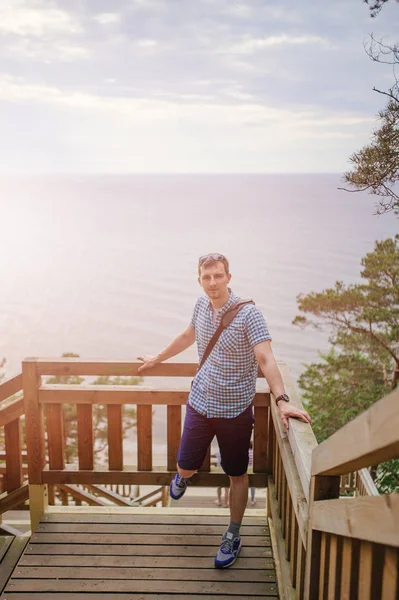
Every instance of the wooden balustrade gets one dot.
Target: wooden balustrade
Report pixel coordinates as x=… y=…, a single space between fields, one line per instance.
x=328 y=547
x=48 y=400
x=364 y=528
x=13 y=491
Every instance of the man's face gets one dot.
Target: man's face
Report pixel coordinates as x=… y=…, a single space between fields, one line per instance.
x=214 y=280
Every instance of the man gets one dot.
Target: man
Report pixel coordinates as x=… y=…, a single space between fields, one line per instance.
x=220 y=400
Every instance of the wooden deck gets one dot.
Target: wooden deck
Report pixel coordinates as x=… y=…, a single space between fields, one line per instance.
x=146 y=555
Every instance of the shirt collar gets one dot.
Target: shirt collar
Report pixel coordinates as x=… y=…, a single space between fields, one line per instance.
x=231 y=300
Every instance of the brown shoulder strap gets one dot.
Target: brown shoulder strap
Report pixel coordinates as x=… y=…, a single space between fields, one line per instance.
x=227 y=318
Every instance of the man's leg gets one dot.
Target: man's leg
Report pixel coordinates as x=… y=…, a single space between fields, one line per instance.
x=238 y=497
x=196 y=438
x=233 y=437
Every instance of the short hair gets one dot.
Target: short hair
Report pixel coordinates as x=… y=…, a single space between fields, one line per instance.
x=208 y=260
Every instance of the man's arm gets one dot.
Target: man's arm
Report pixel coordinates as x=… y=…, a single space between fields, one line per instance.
x=181 y=342
x=267 y=363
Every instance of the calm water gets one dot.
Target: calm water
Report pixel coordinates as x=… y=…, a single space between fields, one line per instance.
x=106 y=266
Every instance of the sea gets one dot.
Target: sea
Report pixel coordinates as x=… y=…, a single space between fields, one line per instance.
x=106 y=266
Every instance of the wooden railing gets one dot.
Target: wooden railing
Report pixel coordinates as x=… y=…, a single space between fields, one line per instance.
x=353 y=543
x=14 y=490
x=321 y=537
x=45 y=399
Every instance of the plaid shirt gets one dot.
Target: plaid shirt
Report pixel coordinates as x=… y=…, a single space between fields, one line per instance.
x=225 y=386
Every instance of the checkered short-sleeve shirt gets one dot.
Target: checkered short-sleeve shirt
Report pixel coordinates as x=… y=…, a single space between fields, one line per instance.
x=225 y=386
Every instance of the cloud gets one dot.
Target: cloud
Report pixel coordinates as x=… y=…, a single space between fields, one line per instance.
x=144 y=43
x=249 y=45
x=47 y=51
x=107 y=18
x=36 y=18
x=184 y=107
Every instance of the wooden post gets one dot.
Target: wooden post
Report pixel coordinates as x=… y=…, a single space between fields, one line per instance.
x=165 y=496
x=34 y=426
x=321 y=488
x=38 y=503
x=12 y=435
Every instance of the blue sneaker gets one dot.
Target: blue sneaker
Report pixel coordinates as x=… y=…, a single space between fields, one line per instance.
x=177 y=487
x=228 y=551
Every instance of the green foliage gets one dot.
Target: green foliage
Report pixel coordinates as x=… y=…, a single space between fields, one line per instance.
x=363 y=364
x=387 y=479
x=375 y=167
x=338 y=389
x=363 y=318
x=99 y=413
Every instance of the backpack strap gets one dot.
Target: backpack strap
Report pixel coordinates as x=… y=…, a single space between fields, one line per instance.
x=227 y=318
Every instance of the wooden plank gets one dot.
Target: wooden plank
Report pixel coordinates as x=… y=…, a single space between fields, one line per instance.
x=11 y=412
x=173 y=434
x=270 y=441
x=282 y=566
x=78 y=493
x=345 y=589
x=34 y=424
x=9 y=501
x=122 y=368
x=145 y=539
x=301 y=438
x=300 y=571
x=356 y=518
x=12 y=436
x=122 y=394
x=104 y=492
x=55 y=435
x=153 y=562
x=148 y=529
x=157 y=478
x=52 y=548
x=365 y=571
x=280 y=486
x=10 y=386
x=290 y=469
x=321 y=488
x=115 y=437
x=369 y=439
x=283 y=503
x=144 y=586
x=324 y=563
x=132 y=573
x=131 y=596
x=78 y=366
x=288 y=526
x=9 y=561
x=85 y=436
x=390 y=576
x=261 y=426
x=144 y=438
x=334 y=567
x=5 y=543
x=146 y=517
x=294 y=548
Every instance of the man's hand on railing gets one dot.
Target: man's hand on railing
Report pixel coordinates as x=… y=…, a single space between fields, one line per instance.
x=288 y=410
x=148 y=362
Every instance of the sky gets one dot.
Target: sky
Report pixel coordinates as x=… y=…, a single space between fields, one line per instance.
x=187 y=86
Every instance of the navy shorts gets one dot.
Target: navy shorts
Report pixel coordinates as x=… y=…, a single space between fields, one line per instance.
x=233 y=436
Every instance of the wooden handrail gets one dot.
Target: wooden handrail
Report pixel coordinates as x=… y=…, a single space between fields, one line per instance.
x=371 y=438
x=11 y=411
x=10 y=386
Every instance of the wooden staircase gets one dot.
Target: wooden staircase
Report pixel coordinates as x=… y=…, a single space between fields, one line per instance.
x=121 y=554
